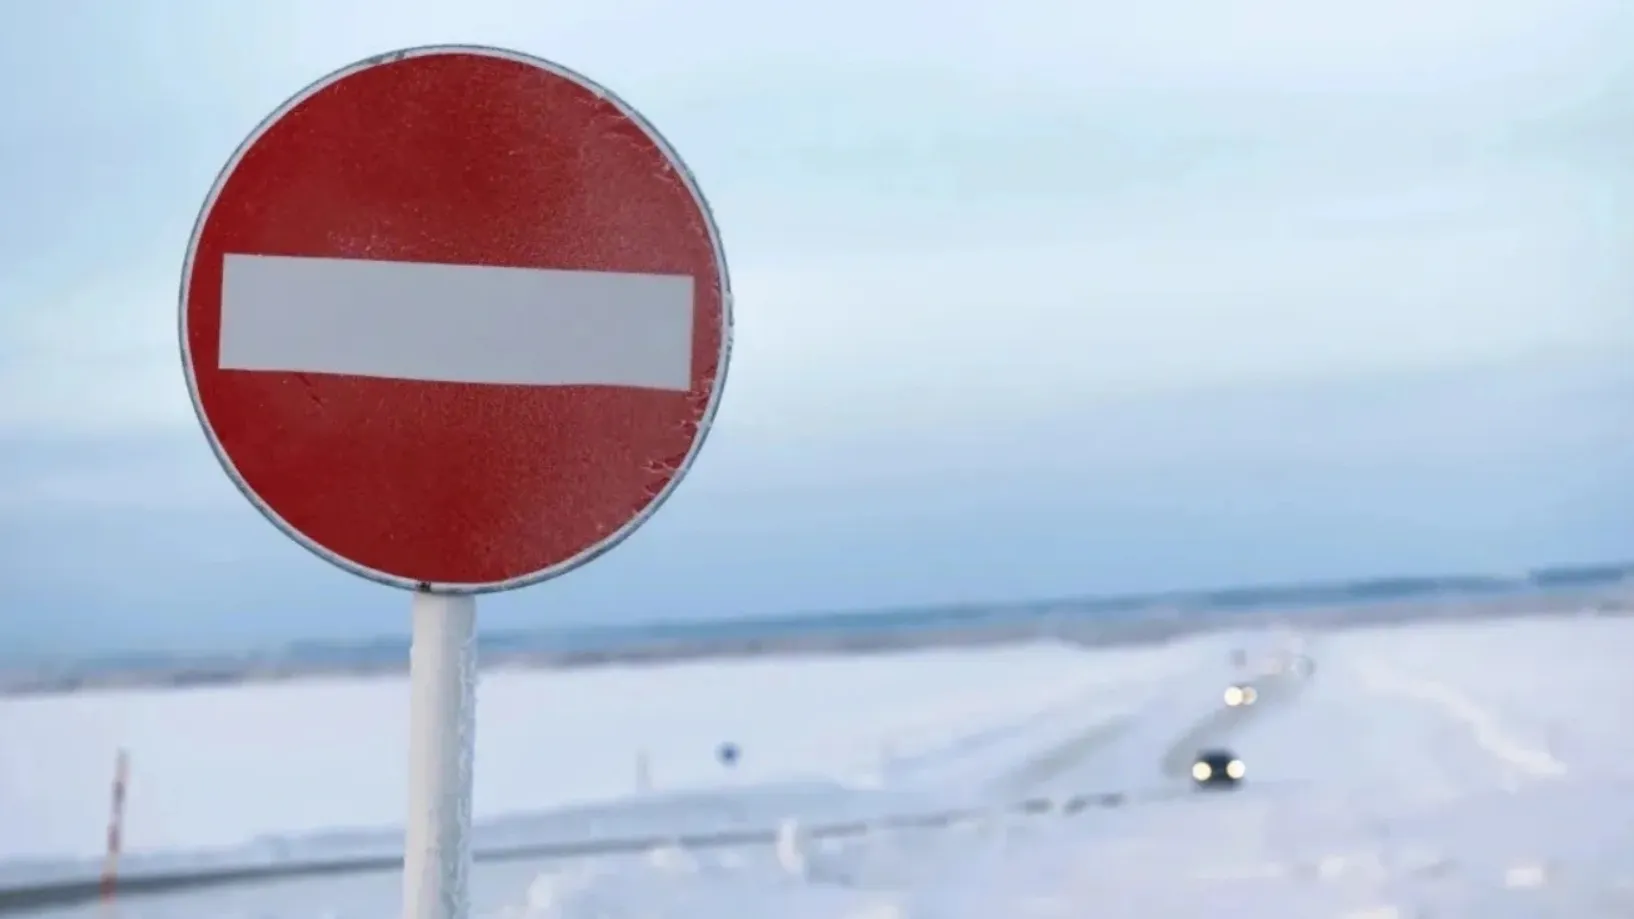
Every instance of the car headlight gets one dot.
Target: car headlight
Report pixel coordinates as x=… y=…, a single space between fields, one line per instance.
x=1234 y=695
x=1234 y=769
x=1250 y=695
x=1201 y=771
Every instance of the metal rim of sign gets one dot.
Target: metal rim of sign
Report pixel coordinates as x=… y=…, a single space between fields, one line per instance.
x=706 y=419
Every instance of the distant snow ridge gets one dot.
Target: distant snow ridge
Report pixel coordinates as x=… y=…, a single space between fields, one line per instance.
x=897 y=628
x=554 y=894
x=791 y=849
x=672 y=860
x=1378 y=912
x=883 y=909
x=1487 y=727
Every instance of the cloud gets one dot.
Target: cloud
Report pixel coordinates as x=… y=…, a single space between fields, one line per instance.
x=94 y=352
x=1143 y=192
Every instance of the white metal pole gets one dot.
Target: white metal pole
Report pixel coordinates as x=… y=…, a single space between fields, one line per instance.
x=442 y=731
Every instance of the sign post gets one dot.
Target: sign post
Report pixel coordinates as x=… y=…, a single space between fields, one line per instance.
x=442 y=721
x=456 y=320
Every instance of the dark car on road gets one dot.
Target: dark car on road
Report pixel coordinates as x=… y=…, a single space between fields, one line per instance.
x=1217 y=769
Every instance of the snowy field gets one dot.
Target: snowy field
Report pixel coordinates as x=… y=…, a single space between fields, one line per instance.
x=1448 y=771
x=267 y=766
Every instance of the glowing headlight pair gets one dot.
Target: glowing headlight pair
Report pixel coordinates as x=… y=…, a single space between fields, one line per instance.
x=1203 y=771
x=1240 y=695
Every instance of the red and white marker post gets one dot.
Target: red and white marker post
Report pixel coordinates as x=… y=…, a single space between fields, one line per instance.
x=457 y=320
x=109 y=882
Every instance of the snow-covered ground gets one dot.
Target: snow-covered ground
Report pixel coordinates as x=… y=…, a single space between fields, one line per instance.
x=316 y=769
x=1447 y=771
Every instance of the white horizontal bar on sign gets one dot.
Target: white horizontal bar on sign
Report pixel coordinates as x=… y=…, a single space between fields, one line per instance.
x=456 y=323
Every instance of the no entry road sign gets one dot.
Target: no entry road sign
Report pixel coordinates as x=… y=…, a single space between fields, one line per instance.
x=455 y=319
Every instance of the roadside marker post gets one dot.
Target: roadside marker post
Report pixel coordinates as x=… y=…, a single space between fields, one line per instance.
x=457 y=320
x=109 y=881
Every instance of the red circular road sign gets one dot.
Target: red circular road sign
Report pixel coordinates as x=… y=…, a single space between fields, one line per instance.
x=455 y=319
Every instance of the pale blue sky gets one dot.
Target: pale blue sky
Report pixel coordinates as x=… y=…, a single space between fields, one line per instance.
x=1034 y=298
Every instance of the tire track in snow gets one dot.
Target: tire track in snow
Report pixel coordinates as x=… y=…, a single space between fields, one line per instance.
x=1061 y=758
x=919 y=766
x=1486 y=727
